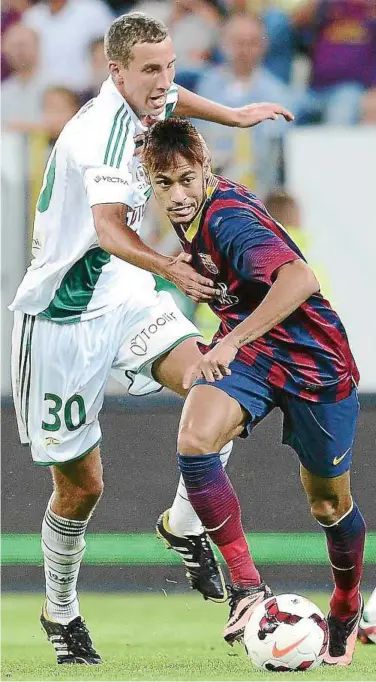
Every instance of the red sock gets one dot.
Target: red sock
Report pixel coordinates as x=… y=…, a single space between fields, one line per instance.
x=240 y=563
x=345 y=541
x=215 y=502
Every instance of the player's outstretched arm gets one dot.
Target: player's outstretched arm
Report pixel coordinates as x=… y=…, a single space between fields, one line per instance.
x=294 y=283
x=116 y=238
x=190 y=104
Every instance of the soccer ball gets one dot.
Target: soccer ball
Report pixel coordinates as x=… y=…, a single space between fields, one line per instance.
x=287 y=632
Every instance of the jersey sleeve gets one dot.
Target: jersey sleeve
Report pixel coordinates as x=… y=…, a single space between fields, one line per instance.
x=106 y=185
x=171 y=102
x=102 y=148
x=252 y=249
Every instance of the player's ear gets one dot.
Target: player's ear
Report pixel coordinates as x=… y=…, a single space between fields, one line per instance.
x=114 y=70
x=206 y=168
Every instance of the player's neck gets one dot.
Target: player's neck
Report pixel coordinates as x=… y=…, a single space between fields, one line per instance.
x=210 y=186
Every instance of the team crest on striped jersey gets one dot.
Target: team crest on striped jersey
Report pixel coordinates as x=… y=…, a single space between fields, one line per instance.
x=208 y=263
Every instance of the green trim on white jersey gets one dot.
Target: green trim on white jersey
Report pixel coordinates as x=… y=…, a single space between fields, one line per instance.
x=46 y=193
x=115 y=146
x=71 y=278
x=77 y=287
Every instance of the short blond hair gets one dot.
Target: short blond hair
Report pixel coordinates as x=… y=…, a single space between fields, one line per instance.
x=128 y=30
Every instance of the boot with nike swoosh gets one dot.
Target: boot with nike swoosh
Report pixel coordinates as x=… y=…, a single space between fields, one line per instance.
x=342 y=638
x=243 y=601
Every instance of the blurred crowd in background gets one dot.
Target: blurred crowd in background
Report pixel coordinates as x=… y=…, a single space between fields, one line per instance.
x=316 y=57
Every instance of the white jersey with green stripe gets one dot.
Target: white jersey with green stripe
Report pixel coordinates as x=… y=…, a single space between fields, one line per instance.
x=71 y=278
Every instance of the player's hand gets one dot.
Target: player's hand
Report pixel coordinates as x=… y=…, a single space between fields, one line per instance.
x=213 y=366
x=184 y=276
x=252 y=114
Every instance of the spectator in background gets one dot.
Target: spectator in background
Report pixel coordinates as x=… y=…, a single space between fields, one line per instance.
x=59 y=106
x=279 y=30
x=284 y=208
x=343 y=54
x=11 y=13
x=122 y=6
x=249 y=156
x=66 y=29
x=21 y=100
x=281 y=41
x=98 y=69
x=194 y=28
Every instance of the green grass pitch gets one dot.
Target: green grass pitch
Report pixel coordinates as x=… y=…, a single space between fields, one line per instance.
x=148 y=637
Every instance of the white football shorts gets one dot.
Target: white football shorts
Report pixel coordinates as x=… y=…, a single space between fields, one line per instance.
x=59 y=371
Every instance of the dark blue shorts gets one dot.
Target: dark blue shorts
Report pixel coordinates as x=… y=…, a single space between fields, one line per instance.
x=322 y=434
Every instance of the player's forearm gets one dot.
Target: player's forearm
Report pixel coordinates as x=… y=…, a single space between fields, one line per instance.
x=190 y=104
x=295 y=283
x=122 y=242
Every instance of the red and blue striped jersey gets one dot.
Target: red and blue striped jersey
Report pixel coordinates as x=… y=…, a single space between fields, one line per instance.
x=237 y=243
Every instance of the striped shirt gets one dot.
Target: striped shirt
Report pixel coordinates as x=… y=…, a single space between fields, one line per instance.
x=237 y=243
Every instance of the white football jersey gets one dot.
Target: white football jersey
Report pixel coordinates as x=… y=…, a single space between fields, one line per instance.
x=70 y=277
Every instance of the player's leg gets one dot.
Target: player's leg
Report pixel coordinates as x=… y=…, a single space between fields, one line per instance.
x=323 y=436
x=210 y=418
x=179 y=526
x=158 y=346
x=78 y=486
x=339 y=516
x=182 y=518
x=169 y=371
x=58 y=377
x=367 y=626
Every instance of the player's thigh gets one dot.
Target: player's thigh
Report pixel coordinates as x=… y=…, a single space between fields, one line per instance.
x=170 y=368
x=58 y=383
x=150 y=349
x=249 y=389
x=210 y=418
x=322 y=434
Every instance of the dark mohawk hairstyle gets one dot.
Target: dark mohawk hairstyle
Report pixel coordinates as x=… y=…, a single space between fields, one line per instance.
x=166 y=140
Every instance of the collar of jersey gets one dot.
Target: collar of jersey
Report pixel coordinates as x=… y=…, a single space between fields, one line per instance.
x=109 y=89
x=194 y=226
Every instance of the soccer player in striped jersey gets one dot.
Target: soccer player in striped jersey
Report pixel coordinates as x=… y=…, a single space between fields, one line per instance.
x=279 y=344
x=87 y=305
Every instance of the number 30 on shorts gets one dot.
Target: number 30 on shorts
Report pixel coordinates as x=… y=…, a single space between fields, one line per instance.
x=56 y=409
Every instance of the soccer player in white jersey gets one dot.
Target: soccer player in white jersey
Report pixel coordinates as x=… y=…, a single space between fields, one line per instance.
x=87 y=306
x=367 y=625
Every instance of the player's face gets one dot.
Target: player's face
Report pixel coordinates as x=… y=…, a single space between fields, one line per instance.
x=180 y=190
x=148 y=77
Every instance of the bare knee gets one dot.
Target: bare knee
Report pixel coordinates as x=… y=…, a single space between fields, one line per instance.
x=78 y=486
x=329 y=498
x=90 y=495
x=328 y=509
x=77 y=502
x=196 y=442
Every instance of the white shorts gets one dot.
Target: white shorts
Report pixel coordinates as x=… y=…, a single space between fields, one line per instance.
x=59 y=372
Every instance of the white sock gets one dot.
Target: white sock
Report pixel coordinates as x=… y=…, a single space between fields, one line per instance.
x=63 y=546
x=369 y=614
x=183 y=519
